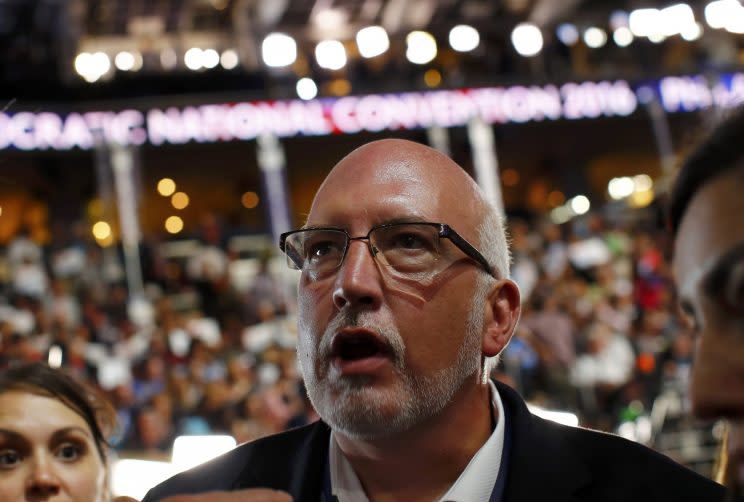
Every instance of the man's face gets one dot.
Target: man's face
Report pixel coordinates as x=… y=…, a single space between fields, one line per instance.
x=709 y=267
x=379 y=355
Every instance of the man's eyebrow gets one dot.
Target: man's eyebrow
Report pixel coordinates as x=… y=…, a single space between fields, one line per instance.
x=382 y=221
x=719 y=270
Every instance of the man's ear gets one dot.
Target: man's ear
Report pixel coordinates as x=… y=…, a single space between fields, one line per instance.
x=502 y=313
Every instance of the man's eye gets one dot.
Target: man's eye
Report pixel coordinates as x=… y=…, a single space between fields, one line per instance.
x=411 y=241
x=9 y=458
x=322 y=249
x=69 y=452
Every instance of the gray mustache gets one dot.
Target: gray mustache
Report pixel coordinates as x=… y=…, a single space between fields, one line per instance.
x=363 y=320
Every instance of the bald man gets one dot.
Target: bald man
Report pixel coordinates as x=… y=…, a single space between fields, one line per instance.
x=404 y=304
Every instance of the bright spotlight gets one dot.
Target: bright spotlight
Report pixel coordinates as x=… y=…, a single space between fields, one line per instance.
x=464 y=38
x=675 y=18
x=229 y=59
x=173 y=224
x=166 y=187
x=644 y=22
x=210 y=58
x=619 y=188
x=101 y=63
x=595 y=37
x=622 y=36
x=720 y=13
x=692 y=32
x=278 y=50
x=421 y=47
x=124 y=61
x=330 y=54
x=527 y=39
x=567 y=34
x=194 y=58
x=92 y=66
x=580 y=204
x=642 y=182
x=180 y=200
x=372 y=41
x=306 y=88
x=101 y=230
x=83 y=63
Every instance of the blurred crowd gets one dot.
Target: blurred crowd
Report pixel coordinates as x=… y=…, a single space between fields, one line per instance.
x=200 y=352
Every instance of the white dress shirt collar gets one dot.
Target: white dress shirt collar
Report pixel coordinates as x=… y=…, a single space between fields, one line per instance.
x=474 y=484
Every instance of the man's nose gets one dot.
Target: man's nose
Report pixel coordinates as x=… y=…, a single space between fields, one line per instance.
x=42 y=480
x=358 y=280
x=718 y=376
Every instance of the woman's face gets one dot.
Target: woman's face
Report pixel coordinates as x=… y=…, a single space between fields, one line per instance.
x=47 y=452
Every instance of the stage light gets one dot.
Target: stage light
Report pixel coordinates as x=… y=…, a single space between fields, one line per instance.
x=595 y=37
x=92 y=66
x=372 y=41
x=168 y=58
x=101 y=230
x=644 y=22
x=642 y=182
x=180 y=200
x=580 y=204
x=210 y=58
x=124 y=61
x=166 y=187
x=692 y=32
x=306 y=88
x=619 y=188
x=622 y=36
x=675 y=19
x=194 y=58
x=527 y=39
x=249 y=200
x=722 y=13
x=567 y=34
x=330 y=54
x=464 y=38
x=278 y=50
x=421 y=47
x=229 y=59
x=173 y=224
x=432 y=78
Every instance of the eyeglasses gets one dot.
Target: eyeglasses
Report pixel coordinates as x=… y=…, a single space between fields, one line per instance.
x=409 y=249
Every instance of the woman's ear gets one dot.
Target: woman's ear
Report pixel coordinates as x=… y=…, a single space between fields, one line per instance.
x=502 y=313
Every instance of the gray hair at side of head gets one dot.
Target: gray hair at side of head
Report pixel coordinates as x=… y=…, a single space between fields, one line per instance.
x=494 y=246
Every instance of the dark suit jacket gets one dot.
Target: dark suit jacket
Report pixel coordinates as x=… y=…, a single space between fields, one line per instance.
x=548 y=462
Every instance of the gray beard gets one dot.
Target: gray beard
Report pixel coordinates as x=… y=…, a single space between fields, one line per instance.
x=358 y=410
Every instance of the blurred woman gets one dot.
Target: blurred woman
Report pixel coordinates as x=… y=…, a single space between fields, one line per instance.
x=52 y=437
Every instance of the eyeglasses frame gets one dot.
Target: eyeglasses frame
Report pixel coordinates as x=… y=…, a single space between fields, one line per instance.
x=443 y=230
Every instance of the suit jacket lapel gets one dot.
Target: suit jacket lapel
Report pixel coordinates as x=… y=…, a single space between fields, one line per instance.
x=541 y=465
x=296 y=468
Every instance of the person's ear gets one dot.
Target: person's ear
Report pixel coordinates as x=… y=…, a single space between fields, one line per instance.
x=502 y=313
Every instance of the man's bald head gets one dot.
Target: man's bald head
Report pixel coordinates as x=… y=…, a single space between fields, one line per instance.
x=455 y=192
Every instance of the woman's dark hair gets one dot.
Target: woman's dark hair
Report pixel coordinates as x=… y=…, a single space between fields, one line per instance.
x=40 y=379
x=719 y=152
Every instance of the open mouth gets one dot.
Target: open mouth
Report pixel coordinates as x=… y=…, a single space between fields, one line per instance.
x=358 y=350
